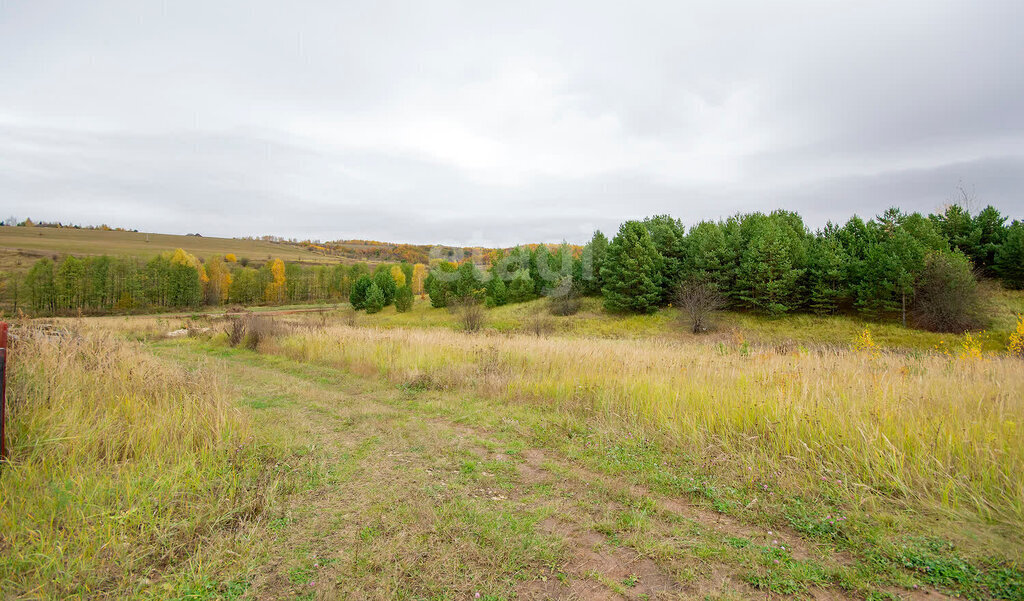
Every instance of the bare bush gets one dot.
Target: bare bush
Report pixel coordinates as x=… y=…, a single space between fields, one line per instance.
x=235 y=331
x=471 y=314
x=350 y=316
x=539 y=324
x=699 y=301
x=251 y=330
x=258 y=329
x=564 y=299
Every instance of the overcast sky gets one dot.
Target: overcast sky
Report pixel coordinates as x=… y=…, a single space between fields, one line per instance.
x=500 y=122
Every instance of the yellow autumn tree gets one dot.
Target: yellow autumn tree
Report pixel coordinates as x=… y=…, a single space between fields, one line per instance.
x=231 y=258
x=183 y=257
x=220 y=281
x=398 y=275
x=419 y=275
x=275 y=289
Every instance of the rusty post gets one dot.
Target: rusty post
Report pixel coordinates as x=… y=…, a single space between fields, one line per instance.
x=3 y=391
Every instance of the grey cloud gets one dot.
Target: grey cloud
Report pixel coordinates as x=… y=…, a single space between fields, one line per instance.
x=463 y=123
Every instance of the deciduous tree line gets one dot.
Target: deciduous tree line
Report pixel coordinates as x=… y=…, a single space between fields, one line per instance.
x=176 y=280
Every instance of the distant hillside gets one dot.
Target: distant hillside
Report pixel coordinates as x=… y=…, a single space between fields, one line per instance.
x=20 y=247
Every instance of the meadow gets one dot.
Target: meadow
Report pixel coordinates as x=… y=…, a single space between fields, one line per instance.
x=393 y=456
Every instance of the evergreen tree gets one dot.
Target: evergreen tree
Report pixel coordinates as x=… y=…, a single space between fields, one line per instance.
x=632 y=271
x=669 y=238
x=470 y=282
x=496 y=292
x=520 y=288
x=588 y=272
x=357 y=298
x=768 y=276
x=888 y=273
x=706 y=257
x=992 y=227
x=1009 y=258
x=386 y=282
x=539 y=269
x=403 y=299
x=439 y=284
x=375 y=300
x=827 y=272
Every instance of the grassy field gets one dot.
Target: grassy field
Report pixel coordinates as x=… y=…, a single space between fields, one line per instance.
x=730 y=327
x=614 y=458
x=20 y=247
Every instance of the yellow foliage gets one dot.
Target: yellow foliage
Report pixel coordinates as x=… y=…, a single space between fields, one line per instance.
x=220 y=281
x=864 y=342
x=1016 y=345
x=970 y=347
x=183 y=257
x=231 y=258
x=398 y=275
x=419 y=274
x=275 y=290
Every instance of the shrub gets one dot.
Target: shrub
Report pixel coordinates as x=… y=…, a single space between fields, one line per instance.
x=946 y=295
x=375 y=300
x=403 y=299
x=258 y=329
x=471 y=314
x=350 y=316
x=698 y=302
x=563 y=298
x=235 y=331
x=539 y=324
x=1016 y=343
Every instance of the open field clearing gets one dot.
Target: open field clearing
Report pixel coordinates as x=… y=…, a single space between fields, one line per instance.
x=811 y=331
x=354 y=462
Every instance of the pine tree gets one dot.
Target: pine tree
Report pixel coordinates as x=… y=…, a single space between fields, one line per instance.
x=470 y=282
x=992 y=227
x=1009 y=258
x=706 y=258
x=439 y=284
x=358 y=296
x=386 y=283
x=496 y=293
x=375 y=300
x=588 y=274
x=827 y=272
x=767 y=279
x=520 y=288
x=668 y=236
x=403 y=299
x=631 y=273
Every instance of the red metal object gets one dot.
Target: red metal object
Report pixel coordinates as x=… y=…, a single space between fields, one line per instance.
x=3 y=391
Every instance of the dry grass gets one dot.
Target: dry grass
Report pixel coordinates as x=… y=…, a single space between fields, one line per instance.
x=127 y=474
x=931 y=431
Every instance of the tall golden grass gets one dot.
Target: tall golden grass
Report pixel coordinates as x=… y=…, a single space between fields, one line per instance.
x=930 y=429
x=127 y=474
